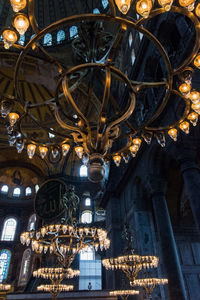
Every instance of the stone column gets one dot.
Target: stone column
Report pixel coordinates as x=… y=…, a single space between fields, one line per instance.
x=176 y=286
x=191 y=177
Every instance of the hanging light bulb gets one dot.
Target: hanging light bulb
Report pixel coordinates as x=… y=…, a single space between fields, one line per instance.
x=173 y=133
x=143 y=7
x=5 y=108
x=197 y=58
x=21 y=23
x=10 y=37
x=19 y=145
x=197 y=10
x=147 y=136
x=55 y=152
x=117 y=159
x=123 y=5
x=193 y=118
x=31 y=150
x=185 y=88
x=79 y=151
x=18 y=5
x=13 y=117
x=195 y=96
x=196 y=107
x=166 y=4
x=160 y=136
x=189 y=4
x=65 y=149
x=133 y=149
x=43 y=151
x=137 y=142
x=185 y=127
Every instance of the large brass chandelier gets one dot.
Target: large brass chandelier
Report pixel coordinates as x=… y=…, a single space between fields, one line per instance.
x=96 y=142
x=65 y=241
x=124 y=294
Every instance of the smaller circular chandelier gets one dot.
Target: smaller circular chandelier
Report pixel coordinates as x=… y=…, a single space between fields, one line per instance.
x=65 y=241
x=56 y=274
x=149 y=283
x=131 y=265
x=124 y=294
x=55 y=289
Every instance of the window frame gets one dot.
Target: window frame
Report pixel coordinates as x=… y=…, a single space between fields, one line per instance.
x=4 y=230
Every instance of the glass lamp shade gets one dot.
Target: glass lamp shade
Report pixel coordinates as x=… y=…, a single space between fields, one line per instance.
x=21 y=23
x=185 y=127
x=173 y=133
x=18 y=5
x=65 y=149
x=31 y=150
x=123 y=5
x=13 y=117
x=43 y=151
x=197 y=10
x=117 y=160
x=193 y=118
x=185 y=88
x=197 y=58
x=143 y=7
x=166 y=4
x=10 y=37
x=79 y=151
x=189 y=4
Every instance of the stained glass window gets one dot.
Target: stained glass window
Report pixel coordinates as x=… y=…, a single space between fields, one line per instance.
x=105 y=3
x=87 y=202
x=47 y=40
x=4 y=189
x=16 y=192
x=96 y=11
x=73 y=31
x=9 y=228
x=28 y=191
x=86 y=217
x=5 y=256
x=60 y=36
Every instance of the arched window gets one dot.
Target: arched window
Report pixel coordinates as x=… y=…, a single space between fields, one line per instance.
x=105 y=3
x=5 y=256
x=60 y=36
x=73 y=31
x=96 y=11
x=86 y=217
x=132 y=56
x=47 y=40
x=87 y=201
x=4 y=189
x=31 y=222
x=83 y=171
x=17 y=192
x=28 y=191
x=36 y=188
x=21 y=40
x=90 y=270
x=25 y=267
x=9 y=229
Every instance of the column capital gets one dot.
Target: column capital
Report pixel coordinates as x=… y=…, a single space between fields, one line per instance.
x=156 y=184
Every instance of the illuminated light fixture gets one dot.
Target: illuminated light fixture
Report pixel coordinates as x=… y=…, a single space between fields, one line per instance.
x=123 y=5
x=79 y=151
x=160 y=136
x=133 y=149
x=193 y=118
x=21 y=23
x=124 y=294
x=189 y=4
x=166 y=4
x=31 y=150
x=196 y=107
x=117 y=159
x=13 y=117
x=143 y=8
x=43 y=151
x=56 y=274
x=137 y=142
x=65 y=149
x=197 y=58
x=185 y=88
x=55 y=289
x=149 y=284
x=131 y=265
x=197 y=10
x=185 y=127
x=10 y=37
x=173 y=133
x=65 y=241
x=5 y=287
x=19 y=145
x=18 y=5
x=194 y=96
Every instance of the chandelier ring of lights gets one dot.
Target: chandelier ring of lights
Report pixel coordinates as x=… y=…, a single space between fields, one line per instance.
x=98 y=147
